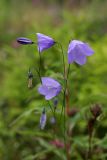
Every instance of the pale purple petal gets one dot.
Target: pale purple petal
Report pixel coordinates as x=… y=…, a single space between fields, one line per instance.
x=50 y=82
x=80 y=59
x=87 y=50
x=73 y=44
x=49 y=88
x=43 y=90
x=51 y=93
x=71 y=57
x=44 y=42
x=77 y=51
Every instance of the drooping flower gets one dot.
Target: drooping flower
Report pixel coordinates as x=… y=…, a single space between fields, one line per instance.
x=44 y=42
x=78 y=51
x=43 y=119
x=24 y=41
x=49 y=88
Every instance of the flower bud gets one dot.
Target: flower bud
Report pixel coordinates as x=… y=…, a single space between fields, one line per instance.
x=43 y=119
x=72 y=112
x=30 y=79
x=24 y=41
x=96 y=110
x=55 y=102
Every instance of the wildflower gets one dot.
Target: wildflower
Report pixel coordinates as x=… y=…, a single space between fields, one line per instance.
x=44 y=42
x=30 y=78
x=52 y=120
x=77 y=52
x=24 y=41
x=43 y=119
x=49 y=88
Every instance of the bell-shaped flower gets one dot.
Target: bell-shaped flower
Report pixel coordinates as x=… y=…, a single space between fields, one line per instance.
x=49 y=88
x=78 y=51
x=44 y=42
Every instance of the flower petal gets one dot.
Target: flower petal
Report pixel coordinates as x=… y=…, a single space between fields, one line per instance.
x=71 y=57
x=71 y=50
x=50 y=82
x=77 y=51
x=43 y=90
x=80 y=59
x=44 y=42
x=87 y=49
x=51 y=93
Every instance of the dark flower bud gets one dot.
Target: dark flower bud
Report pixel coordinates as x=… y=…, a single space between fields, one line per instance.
x=43 y=119
x=55 y=102
x=72 y=112
x=30 y=79
x=24 y=41
x=96 y=110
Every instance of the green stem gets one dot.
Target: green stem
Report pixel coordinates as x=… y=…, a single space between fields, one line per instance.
x=40 y=60
x=51 y=107
x=63 y=59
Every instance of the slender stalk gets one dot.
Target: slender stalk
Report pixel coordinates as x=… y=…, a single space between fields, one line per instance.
x=90 y=148
x=63 y=59
x=40 y=62
x=51 y=107
x=38 y=74
x=61 y=113
x=64 y=97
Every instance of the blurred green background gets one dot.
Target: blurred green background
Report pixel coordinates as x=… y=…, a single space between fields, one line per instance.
x=20 y=108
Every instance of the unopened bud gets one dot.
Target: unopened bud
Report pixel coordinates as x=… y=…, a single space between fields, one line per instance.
x=30 y=79
x=24 y=41
x=96 y=110
x=43 y=119
x=72 y=112
x=55 y=102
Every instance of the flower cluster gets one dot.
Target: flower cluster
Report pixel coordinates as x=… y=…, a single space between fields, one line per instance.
x=50 y=88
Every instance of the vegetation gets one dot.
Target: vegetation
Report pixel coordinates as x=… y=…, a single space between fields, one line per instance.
x=21 y=107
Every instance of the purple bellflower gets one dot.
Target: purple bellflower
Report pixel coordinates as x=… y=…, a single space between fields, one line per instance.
x=43 y=119
x=44 y=42
x=49 y=88
x=24 y=41
x=78 y=51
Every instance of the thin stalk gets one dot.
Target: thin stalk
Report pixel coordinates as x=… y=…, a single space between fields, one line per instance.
x=51 y=108
x=64 y=97
x=63 y=59
x=89 y=152
x=38 y=75
x=40 y=60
